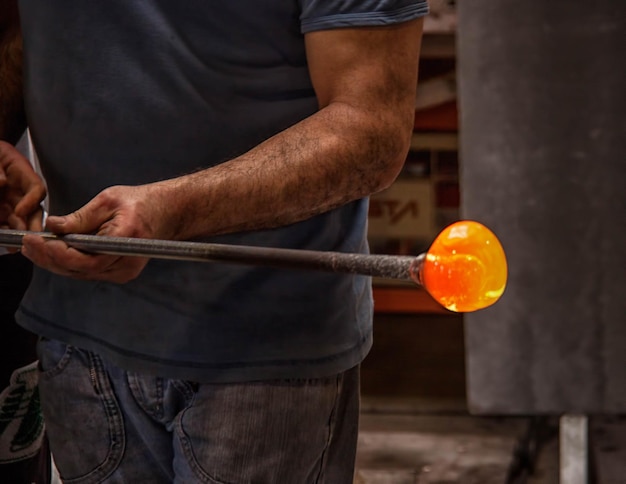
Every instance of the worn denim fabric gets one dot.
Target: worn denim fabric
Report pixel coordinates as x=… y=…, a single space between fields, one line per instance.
x=109 y=425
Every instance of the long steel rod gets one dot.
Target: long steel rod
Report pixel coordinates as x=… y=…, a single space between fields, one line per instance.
x=384 y=266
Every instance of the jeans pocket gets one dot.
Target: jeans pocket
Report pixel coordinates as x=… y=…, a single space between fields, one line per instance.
x=258 y=432
x=53 y=356
x=79 y=408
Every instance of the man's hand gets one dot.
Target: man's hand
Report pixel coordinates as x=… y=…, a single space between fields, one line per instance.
x=21 y=191
x=119 y=211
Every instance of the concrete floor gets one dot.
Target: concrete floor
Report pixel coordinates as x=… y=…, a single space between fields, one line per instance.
x=430 y=442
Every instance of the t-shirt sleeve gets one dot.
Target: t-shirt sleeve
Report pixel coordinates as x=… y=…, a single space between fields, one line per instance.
x=332 y=14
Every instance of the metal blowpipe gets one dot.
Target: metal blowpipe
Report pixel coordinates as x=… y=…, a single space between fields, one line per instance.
x=396 y=267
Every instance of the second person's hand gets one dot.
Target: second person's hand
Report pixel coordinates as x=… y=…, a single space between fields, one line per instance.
x=21 y=191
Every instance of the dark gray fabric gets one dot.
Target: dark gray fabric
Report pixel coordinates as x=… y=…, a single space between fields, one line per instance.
x=325 y=14
x=544 y=165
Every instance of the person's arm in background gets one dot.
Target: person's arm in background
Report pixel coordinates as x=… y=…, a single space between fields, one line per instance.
x=12 y=117
x=17 y=346
x=365 y=80
x=21 y=189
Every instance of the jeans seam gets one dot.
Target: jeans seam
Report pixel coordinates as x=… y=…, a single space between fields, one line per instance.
x=59 y=366
x=115 y=423
x=331 y=429
x=184 y=388
x=199 y=472
x=136 y=390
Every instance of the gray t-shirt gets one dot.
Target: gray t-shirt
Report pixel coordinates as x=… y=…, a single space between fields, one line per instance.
x=125 y=92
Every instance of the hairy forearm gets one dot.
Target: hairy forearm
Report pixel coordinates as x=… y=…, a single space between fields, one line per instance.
x=340 y=154
x=12 y=118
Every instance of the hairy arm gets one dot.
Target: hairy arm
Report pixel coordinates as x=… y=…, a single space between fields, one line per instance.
x=12 y=119
x=365 y=80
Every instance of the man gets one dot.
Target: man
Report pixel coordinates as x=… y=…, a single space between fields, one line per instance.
x=233 y=122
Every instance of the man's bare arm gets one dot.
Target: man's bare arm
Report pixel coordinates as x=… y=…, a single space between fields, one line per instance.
x=365 y=80
x=12 y=118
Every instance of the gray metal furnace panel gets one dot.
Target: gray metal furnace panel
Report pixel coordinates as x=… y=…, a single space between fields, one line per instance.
x=543 y=163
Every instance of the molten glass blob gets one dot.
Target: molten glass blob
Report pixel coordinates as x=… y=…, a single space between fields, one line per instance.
x=465 y=268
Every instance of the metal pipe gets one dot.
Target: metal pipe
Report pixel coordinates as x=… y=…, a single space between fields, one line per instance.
x=384 y=266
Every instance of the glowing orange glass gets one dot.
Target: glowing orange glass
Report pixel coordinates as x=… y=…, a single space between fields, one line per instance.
x=465 y=268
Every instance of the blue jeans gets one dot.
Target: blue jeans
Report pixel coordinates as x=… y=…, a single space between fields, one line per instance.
x=109 y=425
